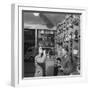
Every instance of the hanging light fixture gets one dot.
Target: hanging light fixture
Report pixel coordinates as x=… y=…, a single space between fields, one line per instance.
x=36 y=14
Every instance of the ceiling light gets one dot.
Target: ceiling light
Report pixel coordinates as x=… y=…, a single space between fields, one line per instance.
x=36 y=14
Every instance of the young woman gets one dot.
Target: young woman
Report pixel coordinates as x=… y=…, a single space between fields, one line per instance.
x=40 y=62
x=66 y=63
x=64 y=66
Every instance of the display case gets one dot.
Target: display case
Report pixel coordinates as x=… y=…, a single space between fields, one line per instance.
x=46 y=39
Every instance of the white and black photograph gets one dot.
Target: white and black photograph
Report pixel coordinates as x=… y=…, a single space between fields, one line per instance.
x=51 y=43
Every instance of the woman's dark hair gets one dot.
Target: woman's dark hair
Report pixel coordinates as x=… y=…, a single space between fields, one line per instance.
x=59 y=59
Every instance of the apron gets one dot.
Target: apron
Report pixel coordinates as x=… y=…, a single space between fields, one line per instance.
x=40 y=69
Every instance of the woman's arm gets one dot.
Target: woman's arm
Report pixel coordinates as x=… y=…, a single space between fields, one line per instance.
x=41 y=59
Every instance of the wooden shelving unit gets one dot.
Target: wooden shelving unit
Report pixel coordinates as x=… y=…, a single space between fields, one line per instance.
x=68 y=33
